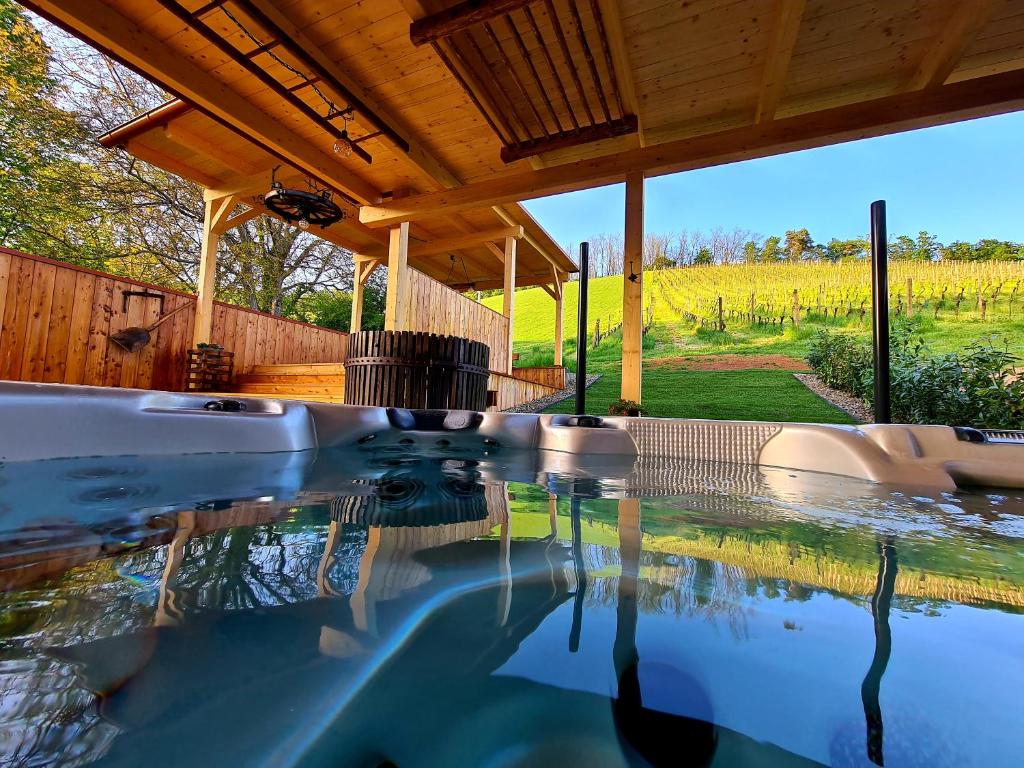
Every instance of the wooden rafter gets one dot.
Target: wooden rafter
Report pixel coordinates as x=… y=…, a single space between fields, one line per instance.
x=785 y=28
x=169 y=163
x=984 y=96
x=502 y=76
x=459 y=17
x=609 y=18
x=967 y=19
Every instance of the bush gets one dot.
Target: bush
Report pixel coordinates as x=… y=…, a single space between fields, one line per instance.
x=977 y=387
x=841 y=361
x=625 y=408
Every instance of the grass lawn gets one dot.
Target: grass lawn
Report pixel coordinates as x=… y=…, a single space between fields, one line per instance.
x=751 y=394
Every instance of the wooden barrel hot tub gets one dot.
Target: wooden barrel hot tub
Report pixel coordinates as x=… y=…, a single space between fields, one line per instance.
x=408 y=369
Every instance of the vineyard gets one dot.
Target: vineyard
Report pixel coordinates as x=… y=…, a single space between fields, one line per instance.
x=783 y=295
x=788 y=294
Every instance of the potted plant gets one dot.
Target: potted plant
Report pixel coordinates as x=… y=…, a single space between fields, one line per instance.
x=624 y=408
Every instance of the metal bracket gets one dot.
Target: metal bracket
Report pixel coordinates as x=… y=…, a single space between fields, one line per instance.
x=126 y=295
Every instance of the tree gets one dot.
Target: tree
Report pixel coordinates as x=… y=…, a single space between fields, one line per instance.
x=927 y=247
x=43 y=202
x=798 y=244
x=843 y=250
x=771 y=250
x=704 y=256
x=751 y=252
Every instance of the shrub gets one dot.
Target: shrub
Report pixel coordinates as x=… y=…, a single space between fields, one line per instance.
x=625 y=408
x=977 y=387
x=841 y=361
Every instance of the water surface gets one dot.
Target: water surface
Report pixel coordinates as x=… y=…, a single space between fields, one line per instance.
x=388 y=608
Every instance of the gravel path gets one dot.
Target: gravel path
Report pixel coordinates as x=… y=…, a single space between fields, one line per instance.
x=849 y=404
x=536 y=406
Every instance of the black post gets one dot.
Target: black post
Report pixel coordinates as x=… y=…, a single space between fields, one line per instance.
x=581 y=333
x=880 y=311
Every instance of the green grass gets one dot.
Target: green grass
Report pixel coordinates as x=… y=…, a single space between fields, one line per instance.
x=746 y=395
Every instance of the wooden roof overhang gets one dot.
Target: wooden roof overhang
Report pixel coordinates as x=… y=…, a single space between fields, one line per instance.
x=467 y=107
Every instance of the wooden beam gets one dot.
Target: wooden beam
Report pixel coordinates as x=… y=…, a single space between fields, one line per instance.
x=980 y=97
x=508 y=299
x=355 y=323
x=585 y=135
x=967 y=19
x=216 y=212
x=633 y=290
x=458 y=17
x=238 y=219
x=465 y=241
x=785 y=29
x=106 y=29
x=396 y=306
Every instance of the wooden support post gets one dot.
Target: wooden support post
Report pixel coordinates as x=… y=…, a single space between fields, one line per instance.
x=910 y=297
x=509 y=298
x=633 y=289
x=559 y=329
x=356 y=323
x=217 y=211
x=796 y=308
x=364 y=267
x=396 y=306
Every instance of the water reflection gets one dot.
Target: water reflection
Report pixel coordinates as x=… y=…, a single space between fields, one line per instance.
x=351 y=609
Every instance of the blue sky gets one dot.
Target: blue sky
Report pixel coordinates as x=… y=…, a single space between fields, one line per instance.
x=959 y=182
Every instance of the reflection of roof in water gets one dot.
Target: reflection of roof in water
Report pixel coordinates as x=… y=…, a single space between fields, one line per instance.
x=400 y=500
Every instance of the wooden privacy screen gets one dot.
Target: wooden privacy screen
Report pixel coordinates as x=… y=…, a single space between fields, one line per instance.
x=260 y=339
x=436 y=308
x=56 y=319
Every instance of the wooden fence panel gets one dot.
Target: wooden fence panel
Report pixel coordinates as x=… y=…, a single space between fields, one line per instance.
x=549 y=375
x=512 y=391
x=56 y=320
x=436 y=308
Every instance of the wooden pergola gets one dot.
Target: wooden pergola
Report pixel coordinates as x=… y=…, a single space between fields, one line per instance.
x=450 y=113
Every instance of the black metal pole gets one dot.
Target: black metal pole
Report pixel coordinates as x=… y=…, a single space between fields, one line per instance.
x=880 y=311
x=581 y=333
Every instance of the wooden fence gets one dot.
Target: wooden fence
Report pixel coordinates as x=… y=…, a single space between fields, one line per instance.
x=548 y=375
x=511 y=391
x=56 y=320
x=436 y=308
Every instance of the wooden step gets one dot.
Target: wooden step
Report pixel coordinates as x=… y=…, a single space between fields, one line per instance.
x=299 y=369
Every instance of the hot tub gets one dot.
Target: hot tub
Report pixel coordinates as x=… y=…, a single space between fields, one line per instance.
x=189 y=581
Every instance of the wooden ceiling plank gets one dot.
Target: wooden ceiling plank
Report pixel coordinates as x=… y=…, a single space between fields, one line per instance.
x=538 y=83
x=785 y=30
x=996 y=94
x=125 y=41
x=608 y=14
x=968 y=17
x=595 y=76
x=546 y=49
x=459 y=17
x=563 y=46
x=201 y=146
x=172 y=164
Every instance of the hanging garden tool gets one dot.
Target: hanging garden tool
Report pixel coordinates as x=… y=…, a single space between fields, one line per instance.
x=134 y=338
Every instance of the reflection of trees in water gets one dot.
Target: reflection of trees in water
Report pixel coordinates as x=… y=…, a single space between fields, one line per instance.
x=251 y=567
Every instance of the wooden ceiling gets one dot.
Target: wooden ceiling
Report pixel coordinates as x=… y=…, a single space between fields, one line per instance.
x=463 y=106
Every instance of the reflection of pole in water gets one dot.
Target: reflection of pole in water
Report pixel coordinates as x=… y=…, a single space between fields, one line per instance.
x=581 y=575
x=869 y=689
x=624 y=653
